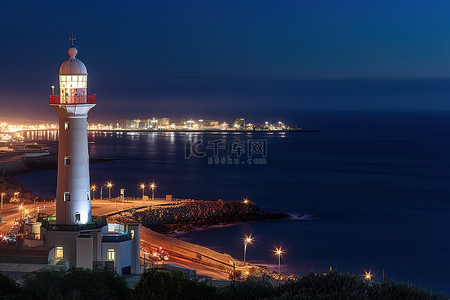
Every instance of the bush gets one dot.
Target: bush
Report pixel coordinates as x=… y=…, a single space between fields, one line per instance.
x=75 y=284
x=162 y=284
x=8 y=287
x=250 y=289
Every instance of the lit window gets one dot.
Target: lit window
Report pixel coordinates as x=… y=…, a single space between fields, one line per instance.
x=66 y=196
x=67 y=160
x=111 y=254
x=132 y=234
x=66 y=125
x=59 y=252
x=77 y=217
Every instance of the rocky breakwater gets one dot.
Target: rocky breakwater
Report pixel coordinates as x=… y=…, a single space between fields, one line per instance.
x=199 y=213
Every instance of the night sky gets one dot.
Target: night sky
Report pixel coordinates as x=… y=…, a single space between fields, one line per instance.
x=191 y=58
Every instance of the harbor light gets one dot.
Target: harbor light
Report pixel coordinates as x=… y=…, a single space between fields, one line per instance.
x=245 y=200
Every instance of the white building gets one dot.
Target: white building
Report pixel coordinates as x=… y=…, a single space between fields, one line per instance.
x=75 y=238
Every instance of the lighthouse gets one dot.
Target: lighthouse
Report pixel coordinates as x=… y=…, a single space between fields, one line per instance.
x=73 y=201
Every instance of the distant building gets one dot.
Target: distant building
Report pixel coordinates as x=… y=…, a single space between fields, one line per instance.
x=239 y=124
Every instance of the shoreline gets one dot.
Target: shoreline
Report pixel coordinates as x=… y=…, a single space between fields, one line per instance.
x=191 y=215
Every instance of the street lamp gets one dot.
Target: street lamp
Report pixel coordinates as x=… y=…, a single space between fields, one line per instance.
x=142 y=186
x=153 y=186
x=101 y=192
x=93 y=189
x=16 y=197
x=20 y=212
x=109 y=186
x=278 y=252
x=368 y=276
x=2 y=194
x=245 y=200
x=247 y=240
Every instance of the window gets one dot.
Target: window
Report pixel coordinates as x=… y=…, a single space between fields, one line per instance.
x=77 y=217
x=66 y=125
x=111 y=254
x=132 y=234
x=66 y=196
x=88 y=196
x=67 y=160
x=59 y=252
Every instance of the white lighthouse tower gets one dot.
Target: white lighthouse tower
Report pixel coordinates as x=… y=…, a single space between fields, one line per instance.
x=73 y=202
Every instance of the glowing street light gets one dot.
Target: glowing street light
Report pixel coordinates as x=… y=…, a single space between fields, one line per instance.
x=142 y=187
x=20 y=211
x=109 y=186
x=53 y=89
x=93 y=189
x=245 y=200
x=368 y=276
x=247 y=240
x=2 y=195
x=279 y=252
x=153 y=186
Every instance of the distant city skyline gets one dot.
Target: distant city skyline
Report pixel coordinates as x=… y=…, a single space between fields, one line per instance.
x=234 y=56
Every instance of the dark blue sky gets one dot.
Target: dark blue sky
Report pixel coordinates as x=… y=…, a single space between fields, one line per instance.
x=149 y=58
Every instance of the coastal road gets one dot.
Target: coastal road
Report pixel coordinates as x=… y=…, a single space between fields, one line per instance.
x=11 y=213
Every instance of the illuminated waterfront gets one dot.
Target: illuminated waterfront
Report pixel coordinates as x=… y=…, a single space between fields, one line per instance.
x=359 y=192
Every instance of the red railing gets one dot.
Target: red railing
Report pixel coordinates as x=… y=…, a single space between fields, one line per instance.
x=88 y=99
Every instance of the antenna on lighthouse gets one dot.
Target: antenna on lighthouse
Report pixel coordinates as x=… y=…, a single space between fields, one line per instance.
x=72 y=38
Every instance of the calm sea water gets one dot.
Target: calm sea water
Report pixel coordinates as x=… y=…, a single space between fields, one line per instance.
x=375 y=188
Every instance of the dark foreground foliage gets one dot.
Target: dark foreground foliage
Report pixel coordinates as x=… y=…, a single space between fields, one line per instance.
x=7 y=286
x=162 y=284
x=74 y=284
x=331 y=285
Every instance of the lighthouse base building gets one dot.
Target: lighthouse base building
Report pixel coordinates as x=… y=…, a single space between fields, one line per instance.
x=73 y=237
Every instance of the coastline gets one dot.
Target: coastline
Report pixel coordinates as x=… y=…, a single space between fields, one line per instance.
x=186 y=216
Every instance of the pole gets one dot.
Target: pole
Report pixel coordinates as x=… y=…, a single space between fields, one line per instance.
x=101 y=192
x=153 y=194
x=2 y=194
x=279 y=264
x=245 y=251
x=109 y=193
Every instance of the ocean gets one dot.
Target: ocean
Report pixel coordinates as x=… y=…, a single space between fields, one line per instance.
x=373 y=189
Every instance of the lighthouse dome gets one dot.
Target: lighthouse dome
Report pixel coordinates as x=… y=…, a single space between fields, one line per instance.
x=72 y=66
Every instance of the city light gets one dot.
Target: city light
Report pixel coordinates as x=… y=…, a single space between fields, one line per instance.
x=245 y=200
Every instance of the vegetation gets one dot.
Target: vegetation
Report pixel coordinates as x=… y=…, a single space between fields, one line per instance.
x=162 y=284
x=7 y=286
x=74 y=284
